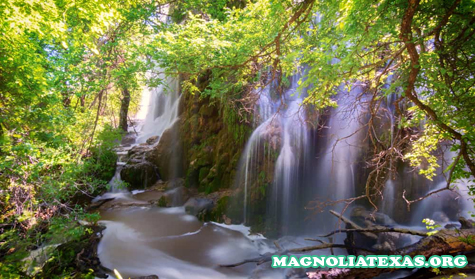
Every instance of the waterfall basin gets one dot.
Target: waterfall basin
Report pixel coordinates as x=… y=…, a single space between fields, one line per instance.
x=167 y=242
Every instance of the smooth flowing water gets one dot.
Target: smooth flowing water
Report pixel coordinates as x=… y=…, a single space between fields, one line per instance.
x=142 y=241
x=159 y=109
x=286 y=164
x=278 y=146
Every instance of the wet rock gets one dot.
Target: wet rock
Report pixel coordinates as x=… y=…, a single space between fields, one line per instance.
x=152 y=140
x=272 y=134
x=466 y=223
x=139 y=175
x=175 y=183
x=97 y=204
x=128 y=139
x=199 y=206
x=166 y=155
x=365 y=218
x=262 y=271
x=440 y=217
x=152 y=196
x=451 y=226
x=174 y=197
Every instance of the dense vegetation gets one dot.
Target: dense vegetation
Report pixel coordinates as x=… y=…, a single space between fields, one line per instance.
x=71 y=72
x=67 y=74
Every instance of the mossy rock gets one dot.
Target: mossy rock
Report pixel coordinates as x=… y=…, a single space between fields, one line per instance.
x=219 y=211
x=208 y=110
x=203 y=173
x=211 y=148
x=139 y=175
x=76 y=259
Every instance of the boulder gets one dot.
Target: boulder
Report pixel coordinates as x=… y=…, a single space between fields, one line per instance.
x=174 y=197
x=466 y=223
x=366 y=218
x=199 y=206
x=175 y=183
x=128 y=139
x=139 y=175
x=152 y=140
x=139 y=152
x=440 y=217
x=166 y=155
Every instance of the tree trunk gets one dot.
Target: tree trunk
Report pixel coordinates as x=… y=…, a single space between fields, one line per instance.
x=124 y=109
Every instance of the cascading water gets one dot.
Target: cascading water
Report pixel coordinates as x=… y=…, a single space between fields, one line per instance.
x=158 y=112
x=337 y=170
x=159 y=109
x=445 y=206
x=284 y=132
x=140 y=240
x=328 y=166
x=289 y=163
x=285 y=165
x=280 y=136
x=389 y=187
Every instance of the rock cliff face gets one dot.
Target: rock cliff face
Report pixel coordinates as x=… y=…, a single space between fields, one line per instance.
x=203 y=146
x=213 y=140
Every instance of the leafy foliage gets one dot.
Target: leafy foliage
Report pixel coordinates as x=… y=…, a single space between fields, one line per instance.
x=64 y=66
x=420 y=51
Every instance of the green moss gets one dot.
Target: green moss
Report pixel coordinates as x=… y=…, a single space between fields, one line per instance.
x=162 y=202
x=219 y=210
x=191 y=178
x=214 y=138
x=203 y=173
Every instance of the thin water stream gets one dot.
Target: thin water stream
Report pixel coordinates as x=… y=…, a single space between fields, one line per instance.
x=141 y=239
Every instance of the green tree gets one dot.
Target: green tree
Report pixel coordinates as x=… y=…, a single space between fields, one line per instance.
x=425 y=46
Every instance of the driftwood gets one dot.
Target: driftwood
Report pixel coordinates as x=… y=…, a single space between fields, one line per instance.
x=268 y=256
x=353 y=225
x=444 y=242
x=370 y=232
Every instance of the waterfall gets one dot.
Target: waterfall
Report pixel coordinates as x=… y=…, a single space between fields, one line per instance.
x=445 y=206
x=336 y=166
x=343 y=147
x=289 y=163
x=389 y=193
x=275 y=147
x=159 y=109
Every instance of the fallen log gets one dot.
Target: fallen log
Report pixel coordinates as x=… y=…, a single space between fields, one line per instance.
x=444 y=242
x=268 y=256
x=352 y=225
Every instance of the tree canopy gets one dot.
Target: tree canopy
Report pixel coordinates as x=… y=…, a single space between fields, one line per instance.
x=422 y=51
x=70 y=70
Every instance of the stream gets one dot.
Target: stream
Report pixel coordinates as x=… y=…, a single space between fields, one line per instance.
x=142 y=239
